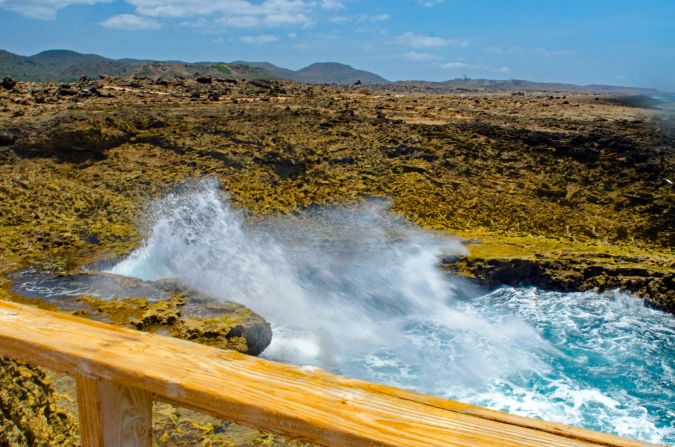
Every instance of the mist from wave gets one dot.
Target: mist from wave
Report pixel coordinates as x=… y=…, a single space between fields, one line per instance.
x=357 y=290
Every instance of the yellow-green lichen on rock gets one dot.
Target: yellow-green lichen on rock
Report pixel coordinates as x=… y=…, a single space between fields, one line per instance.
x=564 y=194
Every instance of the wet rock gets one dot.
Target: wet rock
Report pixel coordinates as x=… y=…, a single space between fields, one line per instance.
x=568 y=275
x=166 y=306
x=223 y=324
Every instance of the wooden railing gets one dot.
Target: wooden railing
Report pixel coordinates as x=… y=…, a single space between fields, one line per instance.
x=119 y=372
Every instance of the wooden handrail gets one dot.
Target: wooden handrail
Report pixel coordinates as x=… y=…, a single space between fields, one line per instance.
x=120 y=371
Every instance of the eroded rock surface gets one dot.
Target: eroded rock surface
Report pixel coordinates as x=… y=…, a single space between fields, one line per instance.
x=568 y=190
x=166 y=306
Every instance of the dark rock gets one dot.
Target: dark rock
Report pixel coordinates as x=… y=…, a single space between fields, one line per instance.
x=284 y=167
x=8 y=83
x=6 y=139
x=207 y=320
x=204 y=79
x=261 y=84
x=570 y=275
x=66 y=91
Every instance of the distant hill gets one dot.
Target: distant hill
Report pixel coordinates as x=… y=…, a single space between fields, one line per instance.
x=65 y=65
x=322 y=73
x=332 y=72
x=172 y=70
x=513 y=85
x=61 y=65
x=279 y=72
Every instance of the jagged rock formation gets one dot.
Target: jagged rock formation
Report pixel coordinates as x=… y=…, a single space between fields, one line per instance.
x=570 y=191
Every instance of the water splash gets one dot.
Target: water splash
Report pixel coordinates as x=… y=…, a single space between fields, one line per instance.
x=336 y=285
x=613 y=371
x=358 y=291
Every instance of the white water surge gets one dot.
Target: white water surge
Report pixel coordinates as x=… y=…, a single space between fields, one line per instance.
x=358 y=291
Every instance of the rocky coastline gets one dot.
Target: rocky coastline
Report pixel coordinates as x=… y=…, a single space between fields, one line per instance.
x=565 y=191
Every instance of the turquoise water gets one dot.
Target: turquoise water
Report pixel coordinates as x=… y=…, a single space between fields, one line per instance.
x=608 y=365
x=604 y=362
x=358 y=291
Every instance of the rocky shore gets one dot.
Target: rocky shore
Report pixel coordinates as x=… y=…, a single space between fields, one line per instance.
x=567 y=191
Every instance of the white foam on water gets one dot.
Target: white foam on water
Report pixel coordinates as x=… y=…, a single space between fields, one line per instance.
x=358 y=291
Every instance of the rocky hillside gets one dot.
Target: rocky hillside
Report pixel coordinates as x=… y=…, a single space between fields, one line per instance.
x=66 y=66
x=61 y=65
x=334 y=73
x=322 y=73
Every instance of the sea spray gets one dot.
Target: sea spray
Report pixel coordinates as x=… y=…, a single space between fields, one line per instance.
x=337 y=284
x=357 y=290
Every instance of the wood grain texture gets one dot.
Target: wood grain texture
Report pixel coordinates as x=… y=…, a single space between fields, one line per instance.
x=303 y=403
x=113 y=415
x=89 y=409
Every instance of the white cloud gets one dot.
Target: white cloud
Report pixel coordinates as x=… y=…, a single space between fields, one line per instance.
x=364 y=18
x=206 y=15
x=455 y=65
x=529 y=51
x=183 y=8
x=415 y=56
x=130 y=22
x=380 y=18
x=287 y=19
x=458 y=65
x=214 y=15
x=238 y=21
x=332 y=4
x=430 y=3
x=338 y=19
x=421 y=41
x=43 y=9
x=259 y=39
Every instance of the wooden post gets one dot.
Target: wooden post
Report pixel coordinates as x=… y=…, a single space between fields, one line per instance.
x=112 y=415
x=119 y=370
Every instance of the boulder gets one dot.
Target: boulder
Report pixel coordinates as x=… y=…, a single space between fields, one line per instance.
x=8 y=83
x=204 y=79
x=166 y=306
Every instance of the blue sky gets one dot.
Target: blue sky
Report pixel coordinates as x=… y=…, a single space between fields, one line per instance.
x=618 y=42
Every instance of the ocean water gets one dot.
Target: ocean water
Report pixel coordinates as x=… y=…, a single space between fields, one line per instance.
x=356 y=290
x=666 y=104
